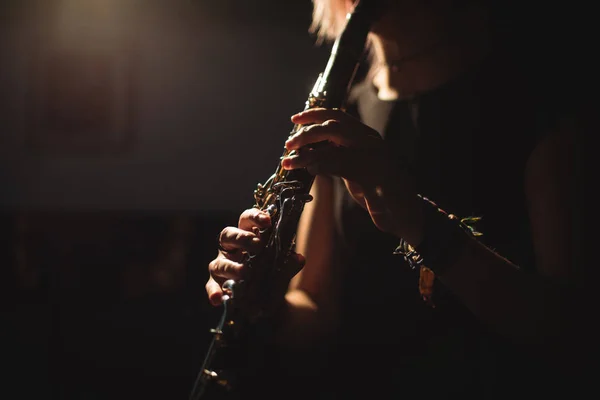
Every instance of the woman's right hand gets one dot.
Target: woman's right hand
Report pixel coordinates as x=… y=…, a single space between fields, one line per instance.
x=235 y=243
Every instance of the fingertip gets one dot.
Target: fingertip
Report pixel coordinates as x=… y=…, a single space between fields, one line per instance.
x=215 y=294
x=300 y=117
x=215 y=298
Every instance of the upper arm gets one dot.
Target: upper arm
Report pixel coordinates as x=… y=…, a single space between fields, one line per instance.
x=549 y=181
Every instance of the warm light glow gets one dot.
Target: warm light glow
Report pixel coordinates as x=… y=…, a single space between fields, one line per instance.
x=81 y=77
x=96 y=8
x=95 y=23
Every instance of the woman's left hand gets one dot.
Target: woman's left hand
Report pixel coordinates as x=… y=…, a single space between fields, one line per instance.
x=372 y=173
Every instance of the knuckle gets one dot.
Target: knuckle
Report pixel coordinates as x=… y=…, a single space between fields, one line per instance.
x=223 y=234
x=257 y=216
x=212 y=266
x=256 y=213
x=244 y=237
x=306 y=130
x=246 y=215
x=219 y=269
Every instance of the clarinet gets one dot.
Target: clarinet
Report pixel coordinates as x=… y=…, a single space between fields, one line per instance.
x=235 y=352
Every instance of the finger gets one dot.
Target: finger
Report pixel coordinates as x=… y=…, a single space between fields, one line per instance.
x=335 y=161
x=235 y=240
x=330 y=130
x=254 y=218
x=223 y=268
x=318 y=116
x=214 y=292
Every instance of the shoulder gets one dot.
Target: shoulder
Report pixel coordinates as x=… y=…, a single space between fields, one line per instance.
x=554 y=189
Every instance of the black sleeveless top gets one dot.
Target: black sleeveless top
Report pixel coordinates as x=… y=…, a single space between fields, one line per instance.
x=468 y=142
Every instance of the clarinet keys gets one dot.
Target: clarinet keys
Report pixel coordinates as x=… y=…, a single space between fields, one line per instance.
x=215 y=378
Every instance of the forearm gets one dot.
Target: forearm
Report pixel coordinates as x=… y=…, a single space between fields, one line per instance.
x=548 y=306
x=527 y=307
x=311 y=299
x=302 y=322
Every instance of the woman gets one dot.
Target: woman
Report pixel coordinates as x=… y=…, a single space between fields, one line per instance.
x=445 y=112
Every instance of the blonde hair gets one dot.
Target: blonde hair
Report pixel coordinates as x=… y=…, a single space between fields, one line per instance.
x=329 y=18
x=328 y=22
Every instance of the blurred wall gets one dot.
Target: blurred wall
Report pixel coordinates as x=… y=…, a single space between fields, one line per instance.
x=131 y=132
x=201 y=93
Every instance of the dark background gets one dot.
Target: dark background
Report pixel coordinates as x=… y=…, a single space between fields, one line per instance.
x=131 y=133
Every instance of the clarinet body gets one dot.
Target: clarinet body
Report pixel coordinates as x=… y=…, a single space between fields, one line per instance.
x=235 y=353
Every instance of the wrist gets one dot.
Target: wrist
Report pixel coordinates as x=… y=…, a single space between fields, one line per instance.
x=412 y=229
x=434 y=248
x=439 y=240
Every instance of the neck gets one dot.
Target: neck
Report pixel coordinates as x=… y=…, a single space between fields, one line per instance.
x=400 y=73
